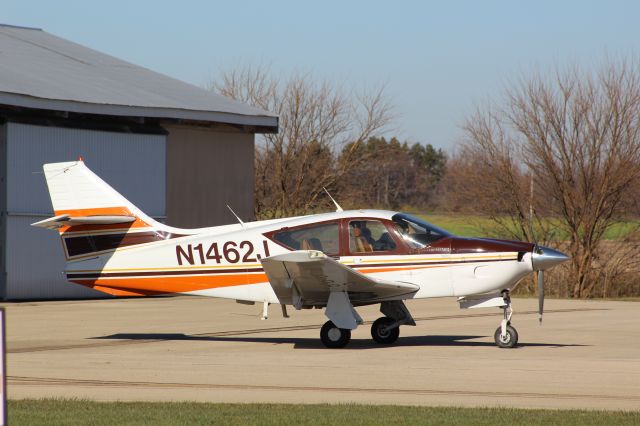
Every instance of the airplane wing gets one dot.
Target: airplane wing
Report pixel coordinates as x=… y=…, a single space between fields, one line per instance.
x=308 y=277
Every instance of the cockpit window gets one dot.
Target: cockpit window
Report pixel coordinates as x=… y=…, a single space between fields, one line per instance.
x=324 y=238
x=369 y=236
x=416 y=232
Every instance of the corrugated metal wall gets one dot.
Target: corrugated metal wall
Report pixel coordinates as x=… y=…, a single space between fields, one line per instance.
x=208 y=169
x=134 y=164
x=3 y=207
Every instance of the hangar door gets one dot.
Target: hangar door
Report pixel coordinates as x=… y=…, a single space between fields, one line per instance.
x=134 y=164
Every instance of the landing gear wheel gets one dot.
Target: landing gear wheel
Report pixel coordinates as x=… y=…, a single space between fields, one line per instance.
x=334 y=337
x=381 y=332
x=509 y=340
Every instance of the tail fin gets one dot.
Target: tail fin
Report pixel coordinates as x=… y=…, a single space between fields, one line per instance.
x=91 y=216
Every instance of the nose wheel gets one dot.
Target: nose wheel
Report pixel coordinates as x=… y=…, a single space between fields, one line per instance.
x=507 y=340
x=506 y=335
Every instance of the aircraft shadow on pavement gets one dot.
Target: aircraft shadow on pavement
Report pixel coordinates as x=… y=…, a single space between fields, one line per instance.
x=314 y=343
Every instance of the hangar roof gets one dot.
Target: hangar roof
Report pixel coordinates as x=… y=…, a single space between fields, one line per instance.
x=43 y=71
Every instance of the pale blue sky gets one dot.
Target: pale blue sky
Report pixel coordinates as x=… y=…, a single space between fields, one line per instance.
x=437 y=59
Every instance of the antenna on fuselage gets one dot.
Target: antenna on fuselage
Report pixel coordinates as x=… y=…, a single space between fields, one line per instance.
x=237 y=217
x=338 y=208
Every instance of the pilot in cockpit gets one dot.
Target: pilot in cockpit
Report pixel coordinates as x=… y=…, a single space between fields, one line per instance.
x=358 y=238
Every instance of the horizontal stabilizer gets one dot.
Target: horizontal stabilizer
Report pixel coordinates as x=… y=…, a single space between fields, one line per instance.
x=68 y=220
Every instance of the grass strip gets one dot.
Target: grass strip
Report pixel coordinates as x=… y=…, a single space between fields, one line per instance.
x=480 y=226
x=83 y=412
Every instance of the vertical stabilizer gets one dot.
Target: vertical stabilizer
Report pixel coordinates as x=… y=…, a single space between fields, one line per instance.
x=92 y=217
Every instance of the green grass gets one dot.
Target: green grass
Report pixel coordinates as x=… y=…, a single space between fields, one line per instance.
x=466 y=226
x=79 y=412
x=481 y=226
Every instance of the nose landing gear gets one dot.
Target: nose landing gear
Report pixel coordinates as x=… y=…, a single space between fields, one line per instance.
x=506 y=336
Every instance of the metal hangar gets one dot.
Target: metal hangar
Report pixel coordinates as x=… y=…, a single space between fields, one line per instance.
x=179 y=152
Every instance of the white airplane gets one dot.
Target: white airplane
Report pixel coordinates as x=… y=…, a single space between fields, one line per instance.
x=337 y=261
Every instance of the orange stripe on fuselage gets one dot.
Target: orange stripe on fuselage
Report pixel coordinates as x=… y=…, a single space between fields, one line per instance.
x=164 y=284
x=102 y=211
x=125 y=293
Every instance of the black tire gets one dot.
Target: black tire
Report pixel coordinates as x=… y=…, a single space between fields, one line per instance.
x=510 y=340
x=388 y=336
x=334 y=337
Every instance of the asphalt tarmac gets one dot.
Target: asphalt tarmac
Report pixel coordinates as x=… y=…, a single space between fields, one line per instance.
x=585 y=355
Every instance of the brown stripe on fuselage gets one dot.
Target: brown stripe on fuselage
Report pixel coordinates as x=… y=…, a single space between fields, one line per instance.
x=463 y=245
x=96 y=275
x=77 y=246
x=437 y=262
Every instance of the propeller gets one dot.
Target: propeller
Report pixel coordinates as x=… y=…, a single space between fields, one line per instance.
x=540 y=295
x=544 y=258
x=539 y=251
x=540 y=272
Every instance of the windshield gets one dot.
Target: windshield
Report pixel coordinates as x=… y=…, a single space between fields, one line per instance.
x=416 y=232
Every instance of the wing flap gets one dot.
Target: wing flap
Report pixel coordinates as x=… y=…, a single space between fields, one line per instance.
x=308 y=277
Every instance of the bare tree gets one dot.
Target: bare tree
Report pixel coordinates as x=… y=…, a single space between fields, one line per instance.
x=316 y=120
x=578 y=134
x=489 y=177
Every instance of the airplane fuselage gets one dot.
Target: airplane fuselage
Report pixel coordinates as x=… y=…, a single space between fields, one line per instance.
x=225 y=261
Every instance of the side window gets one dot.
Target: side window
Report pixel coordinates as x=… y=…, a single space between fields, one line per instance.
x=369 y=236
x=324 y=238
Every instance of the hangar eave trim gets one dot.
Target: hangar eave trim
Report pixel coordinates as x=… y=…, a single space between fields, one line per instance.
x=268 y=123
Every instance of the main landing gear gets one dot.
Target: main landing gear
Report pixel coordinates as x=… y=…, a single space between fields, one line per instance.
x=334 y=337
x=506 y=336
x=384 y=330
